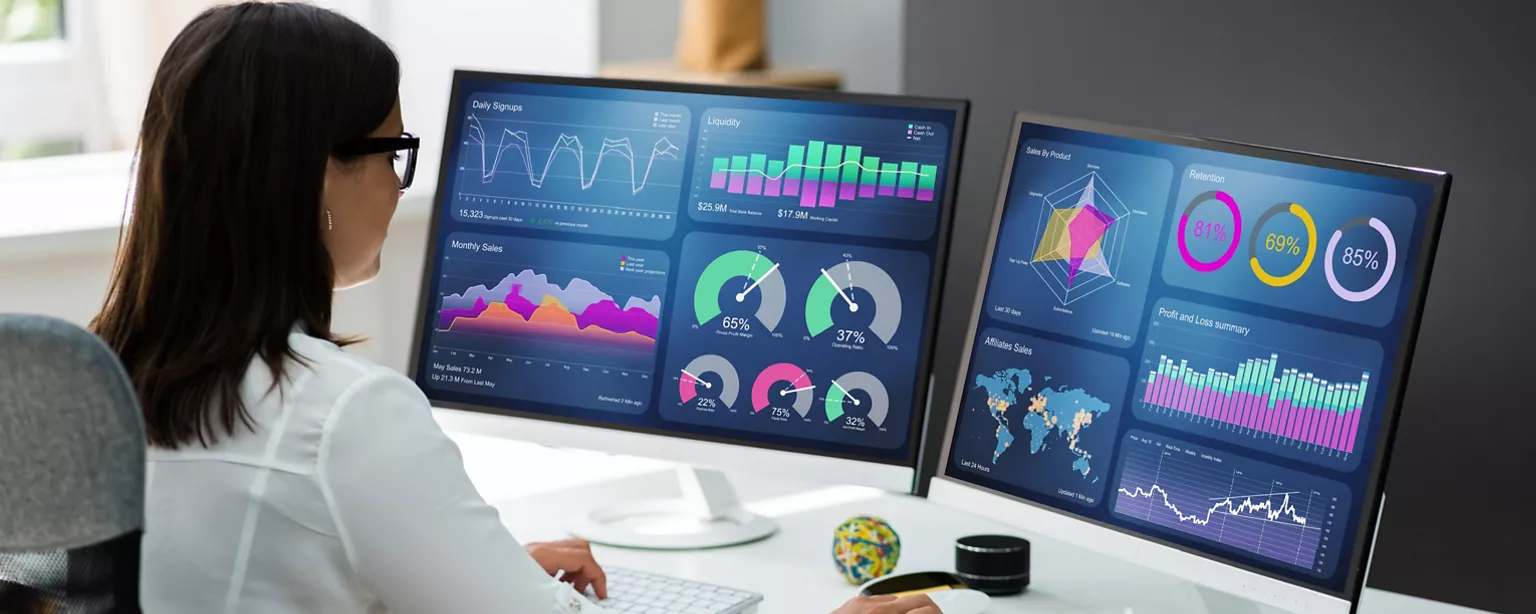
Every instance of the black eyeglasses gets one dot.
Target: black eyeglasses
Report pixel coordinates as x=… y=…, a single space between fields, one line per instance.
x=405 y=165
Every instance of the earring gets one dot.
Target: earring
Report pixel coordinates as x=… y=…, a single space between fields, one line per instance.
x=328 y=224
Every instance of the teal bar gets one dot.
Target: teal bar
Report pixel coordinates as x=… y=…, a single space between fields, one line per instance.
x=722 y=165
x=929 y=174
x=775 y=169
x=871 y=173
x=758 y=162
x=888 y=174
x=812 y=161
x=908 y=177
x=796 y=161
x=851 y=157
x=830 y=163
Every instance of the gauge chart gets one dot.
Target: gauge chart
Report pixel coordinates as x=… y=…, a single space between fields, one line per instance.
x=1316 y=248
x=709 y=383
x=825 y=337
x=854 y=285
x=580 y=165
x=783 y=385
x=855 y=175
x=858 y=400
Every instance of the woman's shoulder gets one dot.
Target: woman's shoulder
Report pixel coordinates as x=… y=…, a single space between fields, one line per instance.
x=328 y=379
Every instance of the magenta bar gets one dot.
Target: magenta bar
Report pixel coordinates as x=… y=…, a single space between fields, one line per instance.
x=717 y=180
x=1354 y=424
x=1185 y=396
x=791 y=187
x=923 y=194
x=738 y=183
x=904 y=192
x=755 y=184
x=866 y=191
x=828 y=194
x=771 y=187
x=808 y=195
x=887 y=190
x=847 y=191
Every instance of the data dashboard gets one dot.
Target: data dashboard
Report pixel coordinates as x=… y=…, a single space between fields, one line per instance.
x=1195 y=342
x=750 y=267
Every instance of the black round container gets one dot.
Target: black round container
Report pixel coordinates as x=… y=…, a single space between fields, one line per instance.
x=993 y=564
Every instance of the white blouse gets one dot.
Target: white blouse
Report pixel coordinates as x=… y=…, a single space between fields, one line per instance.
x=347 y=497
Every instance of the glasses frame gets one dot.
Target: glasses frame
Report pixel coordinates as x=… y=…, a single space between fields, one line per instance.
x=406 y=142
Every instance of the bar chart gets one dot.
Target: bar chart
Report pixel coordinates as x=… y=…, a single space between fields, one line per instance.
x=1267 y=385
x=818 y=174
x=843 y=174
x=1286 y=403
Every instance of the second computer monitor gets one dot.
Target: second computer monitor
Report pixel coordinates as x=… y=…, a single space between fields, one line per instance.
x=748 y=267
x=1190 y=354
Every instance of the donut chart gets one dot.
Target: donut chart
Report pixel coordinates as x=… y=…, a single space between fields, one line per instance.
x=1355 y=296
x=753 y=272
x=1287 y=279
x=834 y=285
x=1235 y=234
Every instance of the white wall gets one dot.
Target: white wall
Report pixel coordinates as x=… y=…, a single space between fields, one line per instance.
x=66 y=275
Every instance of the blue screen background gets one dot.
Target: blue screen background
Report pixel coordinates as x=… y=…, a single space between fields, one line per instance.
x=566 y=275
x=1183 y=463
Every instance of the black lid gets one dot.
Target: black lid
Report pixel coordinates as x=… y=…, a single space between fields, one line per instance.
x=993 y=564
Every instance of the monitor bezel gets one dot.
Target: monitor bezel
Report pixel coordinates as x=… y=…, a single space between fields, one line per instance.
x=1370 y=512
x=960 y=107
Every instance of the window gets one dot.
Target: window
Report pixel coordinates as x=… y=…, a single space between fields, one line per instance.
x=36 y=68
x=23 y=21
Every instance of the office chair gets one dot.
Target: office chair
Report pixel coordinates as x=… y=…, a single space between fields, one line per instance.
x=71 y=472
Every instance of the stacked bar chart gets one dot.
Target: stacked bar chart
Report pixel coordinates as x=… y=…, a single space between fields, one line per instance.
x=819 y=174
x=1261 y=396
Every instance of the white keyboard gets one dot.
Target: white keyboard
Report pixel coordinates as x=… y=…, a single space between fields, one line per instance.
x=638 y=592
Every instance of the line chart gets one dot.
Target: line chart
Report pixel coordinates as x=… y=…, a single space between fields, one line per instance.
x=605 y=167
x=1242 y=505
x=489 y=166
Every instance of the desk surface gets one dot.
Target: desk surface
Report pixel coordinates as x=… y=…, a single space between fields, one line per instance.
x=793 y=569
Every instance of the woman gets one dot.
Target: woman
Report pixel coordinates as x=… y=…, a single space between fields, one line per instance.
x=286 y=475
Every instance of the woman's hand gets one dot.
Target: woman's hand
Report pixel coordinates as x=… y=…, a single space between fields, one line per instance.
x=575 y=557
x=889 y=604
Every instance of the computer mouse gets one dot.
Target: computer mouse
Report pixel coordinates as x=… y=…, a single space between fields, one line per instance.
x=961 y=601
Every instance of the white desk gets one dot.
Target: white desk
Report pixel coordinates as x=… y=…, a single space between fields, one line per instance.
x=794 y=568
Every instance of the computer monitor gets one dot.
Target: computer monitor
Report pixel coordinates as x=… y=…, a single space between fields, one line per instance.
x=727 y=277
x=1190 y=354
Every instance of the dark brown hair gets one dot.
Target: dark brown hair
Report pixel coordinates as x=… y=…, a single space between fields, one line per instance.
x=222 y=257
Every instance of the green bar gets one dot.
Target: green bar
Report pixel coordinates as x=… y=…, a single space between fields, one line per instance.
x=930 y=175
x=813 y=161
x=758 y=161
x=738 y=163
x=871 y=171
x=796 y=161
x=888 y=174
x=775 y=169
x=722 y=165
x=851 y=157
x=908 y=177
x=833 y=159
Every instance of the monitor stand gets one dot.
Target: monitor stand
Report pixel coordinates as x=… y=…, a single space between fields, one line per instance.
x=1217 y=602
x=707 y=516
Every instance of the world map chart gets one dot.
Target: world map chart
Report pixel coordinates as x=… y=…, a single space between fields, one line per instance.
x=1046 y=415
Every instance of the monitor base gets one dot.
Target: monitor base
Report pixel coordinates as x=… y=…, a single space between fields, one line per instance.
x=1217 y=602
x=708 y=515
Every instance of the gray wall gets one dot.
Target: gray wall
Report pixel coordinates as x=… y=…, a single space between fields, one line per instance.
x=1437 y=84
x=862 y=38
